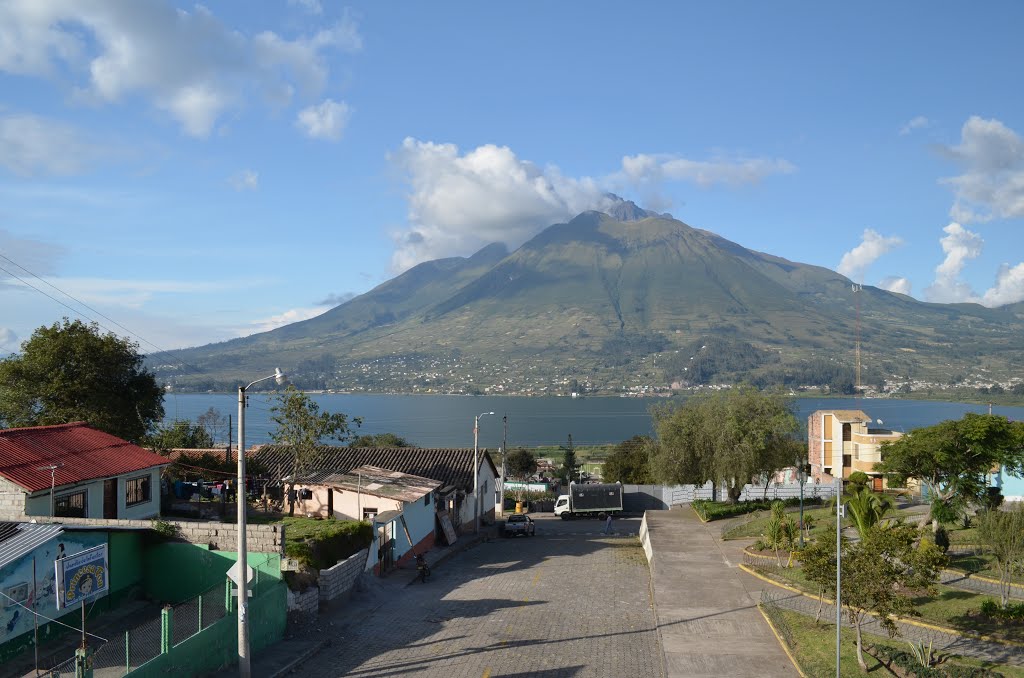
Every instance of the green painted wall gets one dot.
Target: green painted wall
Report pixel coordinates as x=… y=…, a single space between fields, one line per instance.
x=176 y=571
x=217 y=645
x=125 y=550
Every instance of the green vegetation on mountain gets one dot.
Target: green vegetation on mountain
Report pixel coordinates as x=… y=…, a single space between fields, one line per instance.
x=605 y=305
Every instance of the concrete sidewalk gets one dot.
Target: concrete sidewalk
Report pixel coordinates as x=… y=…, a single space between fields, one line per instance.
x=707 y=619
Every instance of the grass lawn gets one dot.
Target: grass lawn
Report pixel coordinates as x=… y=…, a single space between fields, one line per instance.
x=980 y=564
x=814 y=647
x=951 y=608
x=962 y=535
x=755 y=524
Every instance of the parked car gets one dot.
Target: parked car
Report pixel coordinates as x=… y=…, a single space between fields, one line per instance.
x=519 y=524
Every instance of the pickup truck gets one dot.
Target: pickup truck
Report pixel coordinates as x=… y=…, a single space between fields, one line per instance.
x=517 y=523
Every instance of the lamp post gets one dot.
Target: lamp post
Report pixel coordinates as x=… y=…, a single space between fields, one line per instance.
x=476 y=470
x=244 y=668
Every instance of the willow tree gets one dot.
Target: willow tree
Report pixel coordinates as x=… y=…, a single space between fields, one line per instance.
x=729 y=438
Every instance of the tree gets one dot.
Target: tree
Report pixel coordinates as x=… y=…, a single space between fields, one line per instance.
x=569 y=463
x=952 y=459
x=819 y=564
x=729 y=438
x=215 y=424
x=630 y=462
x=780 y=533
x=181 y=434
x=521 y=463
x=881 y=575
x=302 y=427
x=71 y=372
x=868 y=509
x=1002 y=534
x=380 y=440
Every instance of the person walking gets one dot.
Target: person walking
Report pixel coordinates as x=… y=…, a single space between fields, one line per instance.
x=608 y=524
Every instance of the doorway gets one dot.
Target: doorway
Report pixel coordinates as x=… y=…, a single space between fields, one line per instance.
x=110 y=498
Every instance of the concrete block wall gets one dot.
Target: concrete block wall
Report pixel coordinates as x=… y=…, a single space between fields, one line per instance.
x=304 y=605
x=12 y=501
x=218 y=536
x=338 y=581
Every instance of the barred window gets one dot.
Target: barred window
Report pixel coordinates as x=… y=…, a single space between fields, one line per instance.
x=70 y=505
x=136 y=491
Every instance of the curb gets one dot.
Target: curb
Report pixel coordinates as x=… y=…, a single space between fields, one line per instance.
x=785 y=647
x=912 y=622
x=293 y=664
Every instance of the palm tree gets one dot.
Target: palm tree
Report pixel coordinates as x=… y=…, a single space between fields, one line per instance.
x=868 y=509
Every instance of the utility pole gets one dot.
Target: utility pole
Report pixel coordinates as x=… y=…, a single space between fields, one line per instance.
x=990 y=409
x=840 y=510
x=52 y=468
x=504 y=453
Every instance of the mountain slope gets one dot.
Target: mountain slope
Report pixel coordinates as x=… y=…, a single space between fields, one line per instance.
x=595 y=298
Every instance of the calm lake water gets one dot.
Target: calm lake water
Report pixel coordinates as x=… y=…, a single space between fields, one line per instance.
x=447 y=421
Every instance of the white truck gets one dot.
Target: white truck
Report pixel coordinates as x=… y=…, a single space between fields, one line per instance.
x=589 y=499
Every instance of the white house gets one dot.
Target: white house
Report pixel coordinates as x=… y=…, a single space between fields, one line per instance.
x=452 y=467
x=395 y=502
x=92 y=474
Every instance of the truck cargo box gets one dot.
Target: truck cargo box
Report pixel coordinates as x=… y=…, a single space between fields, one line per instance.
x=596 y=497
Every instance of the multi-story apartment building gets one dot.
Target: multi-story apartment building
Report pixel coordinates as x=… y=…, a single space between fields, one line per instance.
x=844 y=441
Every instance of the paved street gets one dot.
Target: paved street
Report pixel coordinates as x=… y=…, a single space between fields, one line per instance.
x=568 y=602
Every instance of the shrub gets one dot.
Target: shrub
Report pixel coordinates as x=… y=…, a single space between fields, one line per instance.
x=322 y=543
x=1012 y=612
x=910 y=666
x=715 y=510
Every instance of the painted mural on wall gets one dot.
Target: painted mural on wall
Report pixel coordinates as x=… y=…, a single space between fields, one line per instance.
x=16 y=582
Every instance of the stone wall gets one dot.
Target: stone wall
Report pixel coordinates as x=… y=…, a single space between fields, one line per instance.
x=218 y=536
x=304 y=606
x=12 y=501
x=337 y=581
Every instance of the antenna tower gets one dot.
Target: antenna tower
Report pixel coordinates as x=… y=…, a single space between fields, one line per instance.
x=856 y=291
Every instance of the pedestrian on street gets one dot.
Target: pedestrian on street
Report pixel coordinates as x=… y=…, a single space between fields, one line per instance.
x=608 y=524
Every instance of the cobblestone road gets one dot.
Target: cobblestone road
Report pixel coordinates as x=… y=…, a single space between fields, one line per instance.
x=558 y=605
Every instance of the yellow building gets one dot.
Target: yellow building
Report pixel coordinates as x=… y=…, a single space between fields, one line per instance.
x=846 y=440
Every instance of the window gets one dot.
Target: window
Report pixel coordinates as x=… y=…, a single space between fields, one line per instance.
x=426 y=500
x=369 y=514
x=136 y=491
x=71 y=505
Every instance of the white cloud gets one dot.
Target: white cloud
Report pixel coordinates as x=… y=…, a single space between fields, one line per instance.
x=326 y=120
x=1009 y=287
x=288 y=317
x=187 y=63
x=992 y=183
x=896 y=284
x=643 y=168
x=245 y=180
x=915 y=123
x=31 y=145
x=960 y=246
x=460 y=202
x=872 y=246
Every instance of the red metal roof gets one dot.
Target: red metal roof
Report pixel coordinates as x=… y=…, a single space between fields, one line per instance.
x=82 y=453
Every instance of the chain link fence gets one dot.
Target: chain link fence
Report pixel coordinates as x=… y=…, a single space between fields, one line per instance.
x=143 y=643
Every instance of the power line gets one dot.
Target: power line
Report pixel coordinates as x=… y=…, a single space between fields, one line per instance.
x=78 y=312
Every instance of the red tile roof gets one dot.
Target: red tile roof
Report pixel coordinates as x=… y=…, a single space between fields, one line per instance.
x=83 y=453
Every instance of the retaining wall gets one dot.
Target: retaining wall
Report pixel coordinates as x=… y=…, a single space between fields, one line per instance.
x=337 y=581
x=217 y=536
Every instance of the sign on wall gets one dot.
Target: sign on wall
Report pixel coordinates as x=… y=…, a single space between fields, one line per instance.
x=82 y=576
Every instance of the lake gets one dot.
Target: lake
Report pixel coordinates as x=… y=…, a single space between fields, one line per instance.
x=447 y=421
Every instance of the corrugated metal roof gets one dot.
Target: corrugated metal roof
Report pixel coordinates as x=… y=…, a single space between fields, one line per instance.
x=449 y=466
x=382 y=482
x=19 y=539
x=81 y=453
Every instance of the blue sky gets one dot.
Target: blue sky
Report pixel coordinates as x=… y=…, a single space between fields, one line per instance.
x=196 y=173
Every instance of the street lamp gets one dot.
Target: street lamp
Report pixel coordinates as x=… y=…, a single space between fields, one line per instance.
x=243 y=565
x=476 y=470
